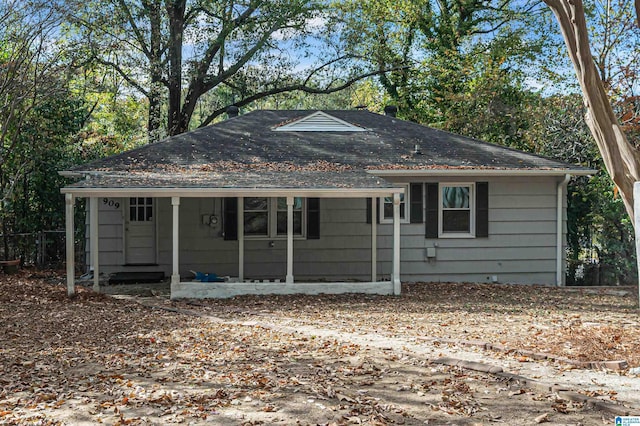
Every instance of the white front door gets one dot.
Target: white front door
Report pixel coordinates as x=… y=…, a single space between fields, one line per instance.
x=140 y=229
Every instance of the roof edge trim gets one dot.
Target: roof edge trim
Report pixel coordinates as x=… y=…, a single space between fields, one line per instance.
x=71 y=173
x=482 y=172
x=239 y=192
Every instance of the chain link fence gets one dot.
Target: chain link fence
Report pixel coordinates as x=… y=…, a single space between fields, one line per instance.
x=44 y=249
x=596 y=273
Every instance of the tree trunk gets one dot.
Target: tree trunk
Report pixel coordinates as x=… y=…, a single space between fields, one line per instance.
x=155 y=90
x=621 y=159
x=3 y=218
x=175 y=12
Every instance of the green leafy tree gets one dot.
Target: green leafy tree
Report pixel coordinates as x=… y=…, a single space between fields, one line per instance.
x=491 y=105
x=467 y=66
x=450 y=50
x=600 y=235
x=46 y=148
x=620 y=156
x=30 y=76
x=238 y=51
x=363 y=94
x=116 y=123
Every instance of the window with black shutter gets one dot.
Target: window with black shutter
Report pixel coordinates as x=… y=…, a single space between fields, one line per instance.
x=267 y=217
x=457 y=210
x=416 y=214
x=431 y=225
x=482 y=209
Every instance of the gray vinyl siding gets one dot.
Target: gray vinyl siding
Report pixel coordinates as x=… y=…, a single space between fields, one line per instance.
x=521 y=247
x=342 y=252
x=110 y=233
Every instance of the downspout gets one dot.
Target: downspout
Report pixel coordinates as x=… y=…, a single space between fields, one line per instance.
x=559 y=210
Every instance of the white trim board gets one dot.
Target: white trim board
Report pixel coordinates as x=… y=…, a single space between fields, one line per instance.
x=482 y=172
x=233 y=192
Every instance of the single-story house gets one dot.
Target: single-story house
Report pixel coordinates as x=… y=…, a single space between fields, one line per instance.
x=322 y=202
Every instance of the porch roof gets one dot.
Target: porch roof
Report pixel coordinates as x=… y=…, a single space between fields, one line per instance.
x=248 y=183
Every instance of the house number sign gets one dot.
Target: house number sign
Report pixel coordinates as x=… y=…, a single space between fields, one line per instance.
x=111 y=203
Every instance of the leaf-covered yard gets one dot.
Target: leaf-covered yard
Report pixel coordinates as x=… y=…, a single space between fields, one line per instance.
x=95 y=359
x=589 y=324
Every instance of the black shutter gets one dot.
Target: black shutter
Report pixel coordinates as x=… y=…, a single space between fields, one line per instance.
x=368 y=210
x=415 y=190
x=230 y=218
x=431 y=223
x=482 y=209
x=313 y=218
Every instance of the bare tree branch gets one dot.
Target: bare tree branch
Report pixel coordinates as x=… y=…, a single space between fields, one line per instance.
x=124 y=74
x=302 y=87
x=621 y=159
x=134 y=27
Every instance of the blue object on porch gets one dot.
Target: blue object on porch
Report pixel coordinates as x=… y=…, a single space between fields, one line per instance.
x=207 y=278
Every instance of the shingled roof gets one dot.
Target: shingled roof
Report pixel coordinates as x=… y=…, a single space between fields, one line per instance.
x=263 y=149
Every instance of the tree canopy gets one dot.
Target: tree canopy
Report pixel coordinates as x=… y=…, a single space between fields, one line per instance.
x=240 y=50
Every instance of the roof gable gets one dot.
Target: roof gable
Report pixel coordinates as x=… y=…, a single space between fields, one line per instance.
x=319 y=122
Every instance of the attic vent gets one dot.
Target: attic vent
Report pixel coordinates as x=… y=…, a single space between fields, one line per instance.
x=319 y=122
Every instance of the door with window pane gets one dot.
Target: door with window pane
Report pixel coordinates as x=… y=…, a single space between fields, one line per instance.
x=140 y=231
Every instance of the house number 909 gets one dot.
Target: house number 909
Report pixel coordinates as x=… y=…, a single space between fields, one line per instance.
x=111 y=203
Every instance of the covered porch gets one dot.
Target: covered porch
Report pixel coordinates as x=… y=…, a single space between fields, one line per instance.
x=185 y=287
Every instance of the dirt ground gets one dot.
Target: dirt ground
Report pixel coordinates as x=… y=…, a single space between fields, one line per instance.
x=301 y=359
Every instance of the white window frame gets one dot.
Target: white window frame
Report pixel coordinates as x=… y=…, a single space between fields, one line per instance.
x=147 y=206
x=404 y=199
x=272 y=221
x=472 y=211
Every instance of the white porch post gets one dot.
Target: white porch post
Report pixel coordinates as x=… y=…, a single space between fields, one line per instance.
x=93 y=237
x=374 y=240
x=175 y=276
x=70 y=246
x=289 y=278
x=241 y=239
x=396 y=244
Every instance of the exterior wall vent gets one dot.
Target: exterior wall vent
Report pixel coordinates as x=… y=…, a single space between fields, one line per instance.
x=319 y=122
